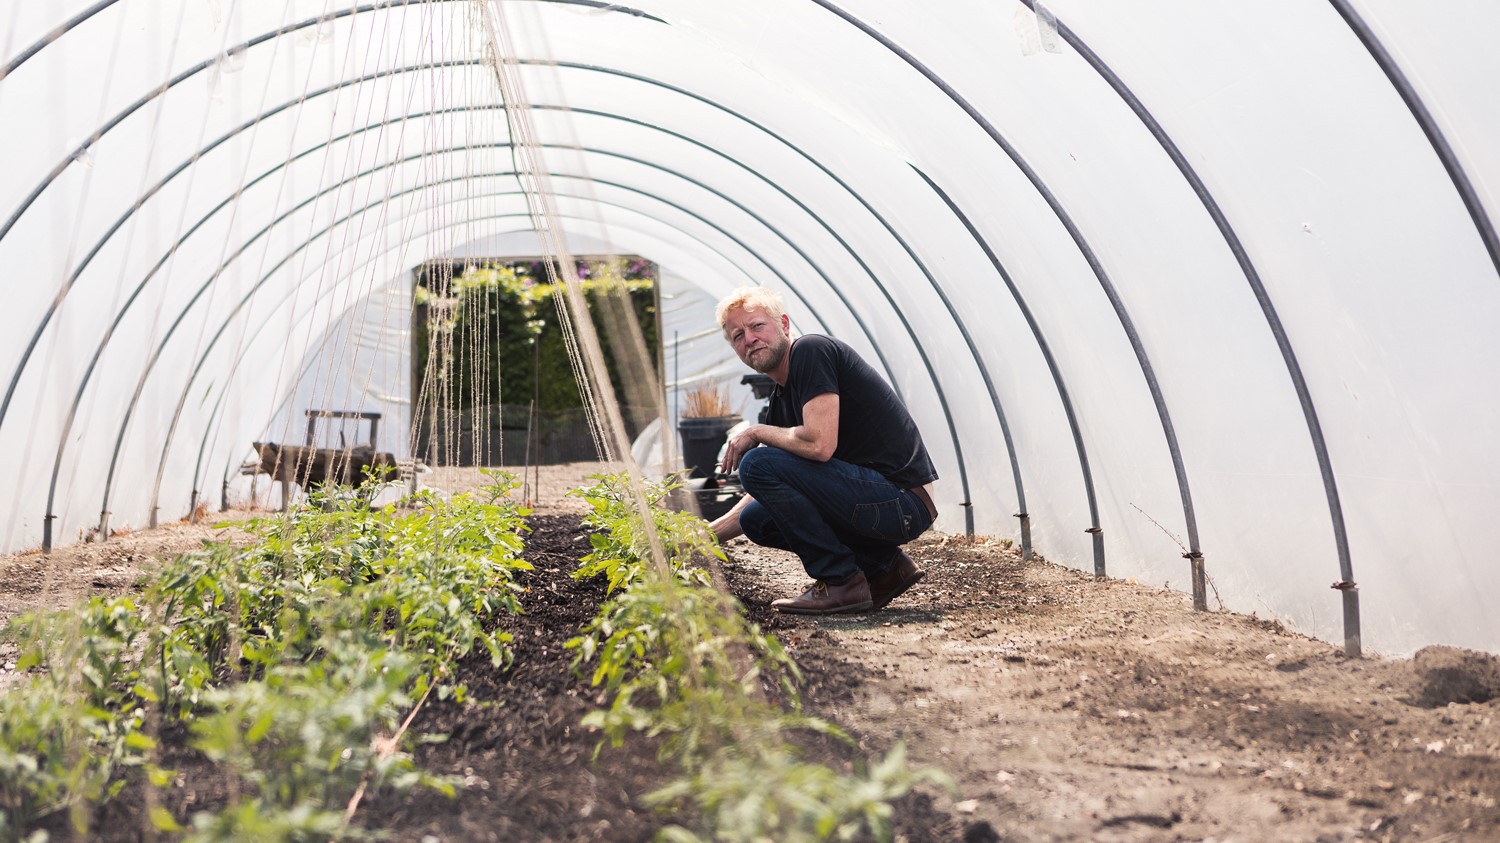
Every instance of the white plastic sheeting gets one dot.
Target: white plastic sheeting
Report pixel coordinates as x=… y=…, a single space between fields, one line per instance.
x=1169 y=277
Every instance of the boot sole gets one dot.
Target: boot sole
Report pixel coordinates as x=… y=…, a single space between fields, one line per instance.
x=838 y=610
x=882 y=602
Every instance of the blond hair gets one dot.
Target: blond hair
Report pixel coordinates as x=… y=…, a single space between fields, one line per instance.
x=750 y=298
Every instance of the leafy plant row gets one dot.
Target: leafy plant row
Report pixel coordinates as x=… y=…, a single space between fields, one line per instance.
x=679 y=660
x=294 y=664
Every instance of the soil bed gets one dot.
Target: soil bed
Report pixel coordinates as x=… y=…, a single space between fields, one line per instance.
x=518 y=745
x=1065 y=708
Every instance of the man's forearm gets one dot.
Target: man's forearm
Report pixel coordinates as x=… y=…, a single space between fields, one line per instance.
x=727 y=526
x=816 y=439
x=794 y=440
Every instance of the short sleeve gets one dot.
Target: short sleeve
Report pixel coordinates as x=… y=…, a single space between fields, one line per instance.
x=816 y=368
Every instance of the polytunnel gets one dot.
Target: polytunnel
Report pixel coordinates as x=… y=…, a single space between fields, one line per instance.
x=1201 y=294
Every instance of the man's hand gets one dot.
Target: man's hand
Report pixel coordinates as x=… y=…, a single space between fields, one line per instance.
x=736 y=448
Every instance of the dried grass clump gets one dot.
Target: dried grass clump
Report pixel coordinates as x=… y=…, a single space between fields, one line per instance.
x=708 y=401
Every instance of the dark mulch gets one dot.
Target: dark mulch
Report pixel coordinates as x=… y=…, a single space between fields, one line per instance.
x=528 y=762
x=529 y=766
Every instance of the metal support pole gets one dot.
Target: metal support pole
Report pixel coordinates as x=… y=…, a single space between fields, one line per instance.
x=193 y=508
x=968 y=520
x=224 y=495
x=155 y=511
x=104 y=526
x=668 y=442
x=1200 y=581
x=47 y=533
x=1025 y=535
x=1353 y=647
x=1098 y=534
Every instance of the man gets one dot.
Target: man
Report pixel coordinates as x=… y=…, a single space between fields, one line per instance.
x=841 y=479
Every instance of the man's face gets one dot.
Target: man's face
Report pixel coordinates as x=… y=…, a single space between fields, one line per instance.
x=760 y=340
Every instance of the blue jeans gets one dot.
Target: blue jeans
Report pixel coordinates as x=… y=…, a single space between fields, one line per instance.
x=839 y=518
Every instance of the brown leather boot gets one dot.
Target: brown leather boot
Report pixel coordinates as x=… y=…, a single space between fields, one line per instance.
x=893 y=583
x=825 y=599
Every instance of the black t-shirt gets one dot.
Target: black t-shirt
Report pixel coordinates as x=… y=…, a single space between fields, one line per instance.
x=875 y=430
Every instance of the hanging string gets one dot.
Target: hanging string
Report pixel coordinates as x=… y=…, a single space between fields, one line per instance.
x=238 y=271
x=601 y=406
x=643 y=389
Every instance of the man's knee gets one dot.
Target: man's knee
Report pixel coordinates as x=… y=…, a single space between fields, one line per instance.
x=757 y=525
x=760 y=466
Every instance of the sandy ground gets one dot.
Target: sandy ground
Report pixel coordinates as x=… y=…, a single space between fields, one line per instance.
x=1074 y=709
x=1066 y=708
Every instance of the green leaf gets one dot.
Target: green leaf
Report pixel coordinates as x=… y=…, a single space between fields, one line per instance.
x=163 y=820
x=677 y=834
x=259 y=729
x=160 y=776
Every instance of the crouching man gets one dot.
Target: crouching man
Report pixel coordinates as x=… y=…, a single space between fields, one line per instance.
x=840 y=477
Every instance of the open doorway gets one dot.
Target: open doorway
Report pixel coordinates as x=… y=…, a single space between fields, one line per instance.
x=492 y=379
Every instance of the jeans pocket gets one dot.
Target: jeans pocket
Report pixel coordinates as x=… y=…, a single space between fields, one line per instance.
x=886 y=521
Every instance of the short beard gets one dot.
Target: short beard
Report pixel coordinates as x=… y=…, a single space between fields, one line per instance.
x=778 y=353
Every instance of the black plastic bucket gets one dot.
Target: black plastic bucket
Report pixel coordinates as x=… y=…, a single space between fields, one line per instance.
x=701 y=441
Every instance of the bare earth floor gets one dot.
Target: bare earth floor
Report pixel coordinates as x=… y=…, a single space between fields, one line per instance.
x=1065 y=708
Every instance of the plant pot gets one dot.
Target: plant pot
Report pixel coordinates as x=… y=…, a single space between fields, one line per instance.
x=701 y=441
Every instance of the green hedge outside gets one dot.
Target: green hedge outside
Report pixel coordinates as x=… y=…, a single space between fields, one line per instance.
x=501 y=345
